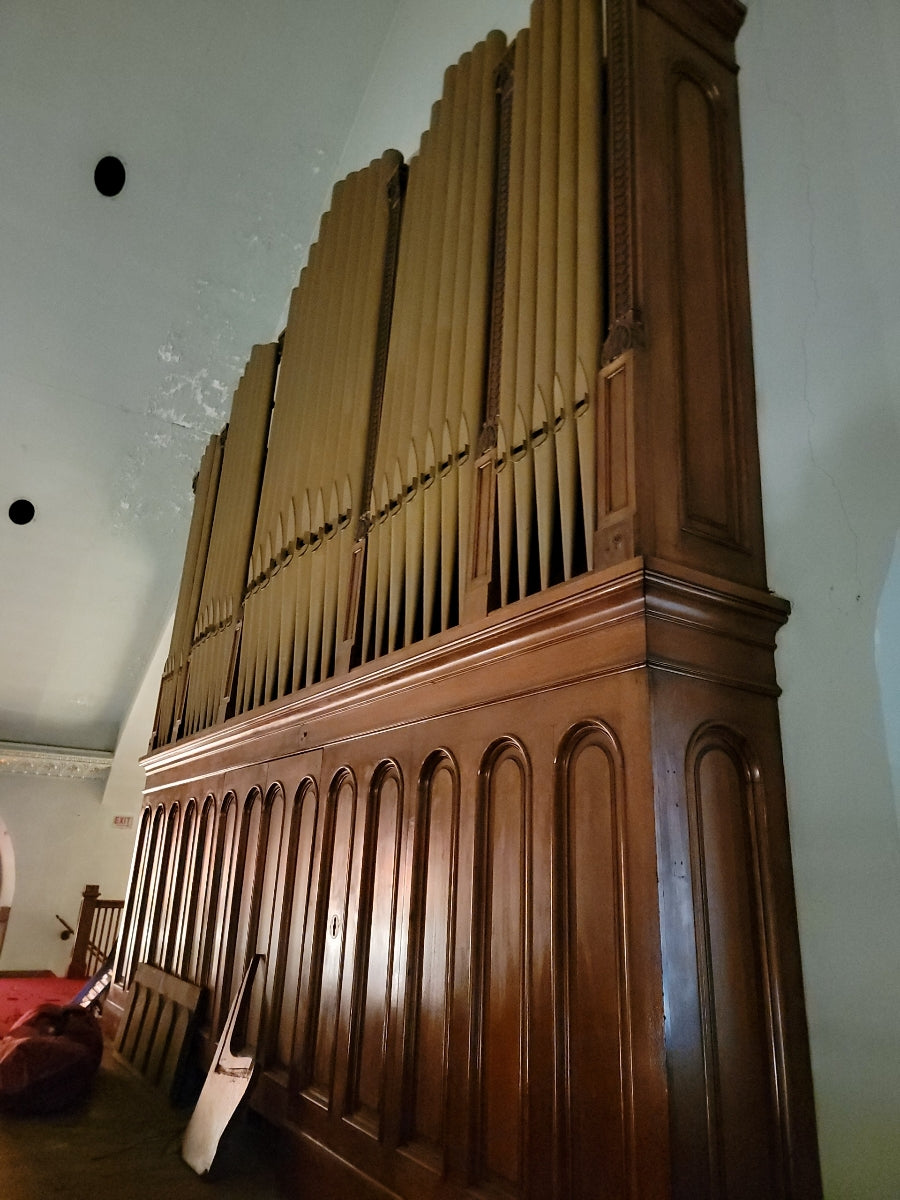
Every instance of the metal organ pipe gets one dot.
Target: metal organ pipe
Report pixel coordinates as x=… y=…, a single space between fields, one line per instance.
x=367 y=503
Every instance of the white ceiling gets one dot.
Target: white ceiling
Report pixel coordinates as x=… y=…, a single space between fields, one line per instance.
x=126 y=321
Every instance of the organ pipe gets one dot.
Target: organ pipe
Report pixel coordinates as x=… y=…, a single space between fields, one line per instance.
x=174 y=679
x=235 y=515
x=312 y=488
x=435 y=370
x=473 y=320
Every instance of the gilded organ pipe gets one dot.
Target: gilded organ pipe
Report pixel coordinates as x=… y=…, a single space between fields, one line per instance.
x=174 y=681
x=312 y=488
x=235 y=515
x=367 y=507
x=434 y=384
x=552 y=315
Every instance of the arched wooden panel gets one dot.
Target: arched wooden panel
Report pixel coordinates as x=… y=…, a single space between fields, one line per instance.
x=179 y=887
x=742 y=1055
x=331 y=933
x=267 y=900
x=244 y=900
x=298 y=906
x=216 y=953
x=135 y=907
x=592 y=1022
x=374 y=975
x=502 y=945
x=431 y=939
x=196 y=909
x=709 y=429
x=154 y=943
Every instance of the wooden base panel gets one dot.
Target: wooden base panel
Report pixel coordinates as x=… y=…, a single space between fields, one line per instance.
x=525 y=900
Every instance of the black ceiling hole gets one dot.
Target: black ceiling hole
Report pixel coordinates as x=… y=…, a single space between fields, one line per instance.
x=109 y=175
x=21 y=512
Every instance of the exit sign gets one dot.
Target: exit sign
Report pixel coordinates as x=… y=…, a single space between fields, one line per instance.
x=123 y=822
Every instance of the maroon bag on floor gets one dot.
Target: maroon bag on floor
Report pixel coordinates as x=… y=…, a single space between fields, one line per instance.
x=49 y=1059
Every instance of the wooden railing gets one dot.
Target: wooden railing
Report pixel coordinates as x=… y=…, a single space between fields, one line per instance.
x=96 y=933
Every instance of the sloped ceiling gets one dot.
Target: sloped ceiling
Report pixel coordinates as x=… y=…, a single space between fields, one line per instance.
x=126 y=321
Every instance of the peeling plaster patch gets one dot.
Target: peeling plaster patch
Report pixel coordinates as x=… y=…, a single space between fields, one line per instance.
x=154 y=472
x=210 y=397
x=201 y=359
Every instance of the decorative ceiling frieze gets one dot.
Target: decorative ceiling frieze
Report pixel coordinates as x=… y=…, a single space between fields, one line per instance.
x=60 y=762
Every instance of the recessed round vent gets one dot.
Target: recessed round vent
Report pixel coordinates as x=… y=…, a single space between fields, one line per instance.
x=109 y=175
x=21 y=512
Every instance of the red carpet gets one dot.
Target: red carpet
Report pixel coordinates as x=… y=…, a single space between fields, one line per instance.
x=20 y=993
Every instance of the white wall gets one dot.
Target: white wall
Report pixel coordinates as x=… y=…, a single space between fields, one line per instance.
x=125 y=785
x=63 y=837
x=820 y=89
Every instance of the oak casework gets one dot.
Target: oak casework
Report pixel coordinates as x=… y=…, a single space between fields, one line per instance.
x=470 y=721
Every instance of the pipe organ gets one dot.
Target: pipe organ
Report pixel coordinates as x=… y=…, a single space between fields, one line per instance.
x=469 y=724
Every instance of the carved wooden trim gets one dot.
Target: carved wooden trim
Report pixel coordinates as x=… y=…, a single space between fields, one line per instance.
x=615 y=538
x=395 y=195
x=481 y=539
x=348 y=651
x=625 y=320
x=712 y=24
x=474 y=603
x=505 y=80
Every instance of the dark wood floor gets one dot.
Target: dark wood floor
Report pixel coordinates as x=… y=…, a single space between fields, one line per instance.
x=124 y=1142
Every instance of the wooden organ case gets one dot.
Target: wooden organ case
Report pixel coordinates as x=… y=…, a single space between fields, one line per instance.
x=470 y=720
